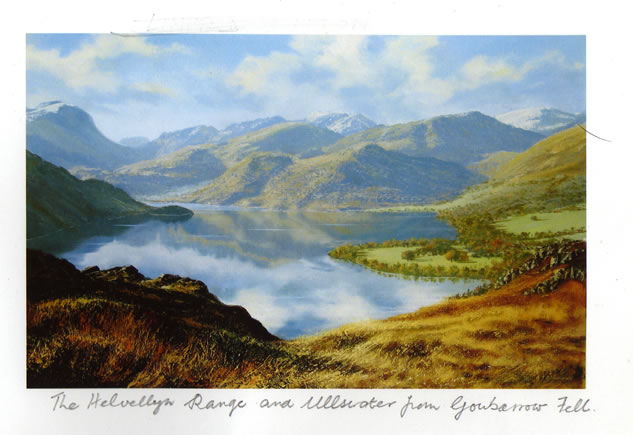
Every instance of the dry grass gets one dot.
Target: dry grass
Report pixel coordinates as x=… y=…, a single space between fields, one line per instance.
x=500 y=340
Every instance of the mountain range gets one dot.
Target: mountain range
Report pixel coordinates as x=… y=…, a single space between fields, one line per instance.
x=462 y=138
x=326 y=161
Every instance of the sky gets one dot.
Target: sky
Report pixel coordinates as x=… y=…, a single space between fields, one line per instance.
x=145 y=85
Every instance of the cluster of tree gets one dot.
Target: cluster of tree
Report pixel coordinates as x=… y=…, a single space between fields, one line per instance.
x=427 y=270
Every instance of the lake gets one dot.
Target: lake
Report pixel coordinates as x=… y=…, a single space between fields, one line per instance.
x=274 y=263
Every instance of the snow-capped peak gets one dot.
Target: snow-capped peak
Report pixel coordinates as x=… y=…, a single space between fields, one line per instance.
x=341 y=123
x=44 y=108
x=539 y=119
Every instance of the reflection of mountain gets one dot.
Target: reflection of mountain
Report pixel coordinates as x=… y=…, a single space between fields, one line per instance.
x=269 y=237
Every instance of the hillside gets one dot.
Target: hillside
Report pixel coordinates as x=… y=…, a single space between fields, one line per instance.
x=56 y=200
x=66 y=135
x=364 y=178
x=295 y=138
x=549 y=176
x=183 y=170
x=491 y=164
x=247 y=179
x=465 y=138
x=169 y=142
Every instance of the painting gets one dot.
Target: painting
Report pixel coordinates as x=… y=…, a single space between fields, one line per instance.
x=305 y=211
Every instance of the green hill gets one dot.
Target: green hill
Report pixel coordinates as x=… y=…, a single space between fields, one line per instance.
x=464 y=138
x=183 y=170
x=365 y=178
x=491 y=164
x=247 y=179
x=548 y=176
x=55 y=199
x=295 y=138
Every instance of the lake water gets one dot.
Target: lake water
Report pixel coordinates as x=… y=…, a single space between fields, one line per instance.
x=273 y=263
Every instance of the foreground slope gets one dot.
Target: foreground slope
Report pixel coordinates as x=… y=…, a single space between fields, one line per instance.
x=117 y=328
x=56 y=200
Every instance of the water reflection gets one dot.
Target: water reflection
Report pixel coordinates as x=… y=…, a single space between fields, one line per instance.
x=275 y=264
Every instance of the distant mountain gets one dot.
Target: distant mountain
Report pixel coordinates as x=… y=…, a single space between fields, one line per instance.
x=464 y=138
x=543 y=120
x=247 y=179
x=295 y=138
x=368 y=177
x=134 y=142
x=169 y=142
x=56 y=200
x=177 y=172
x=242 y=128
x=67 y=136
x=342 y=123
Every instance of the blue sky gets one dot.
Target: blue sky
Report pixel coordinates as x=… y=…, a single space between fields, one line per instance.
x=142 y=86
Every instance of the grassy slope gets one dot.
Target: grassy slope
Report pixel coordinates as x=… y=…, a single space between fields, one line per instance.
x=533 y=223
x=55 y=199
x=491 y=164
x=502 y=339
x=547 y=177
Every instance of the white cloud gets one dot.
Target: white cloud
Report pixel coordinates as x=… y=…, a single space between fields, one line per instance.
x=80 y=68
x=154 y=88
x=481 y=70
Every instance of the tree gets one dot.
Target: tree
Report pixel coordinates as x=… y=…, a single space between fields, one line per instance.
x=408 y=255
x=451 y=255
x=463 y=257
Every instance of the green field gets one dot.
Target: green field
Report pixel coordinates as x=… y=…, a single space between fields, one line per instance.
x=555 y=222
x=393 y=256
